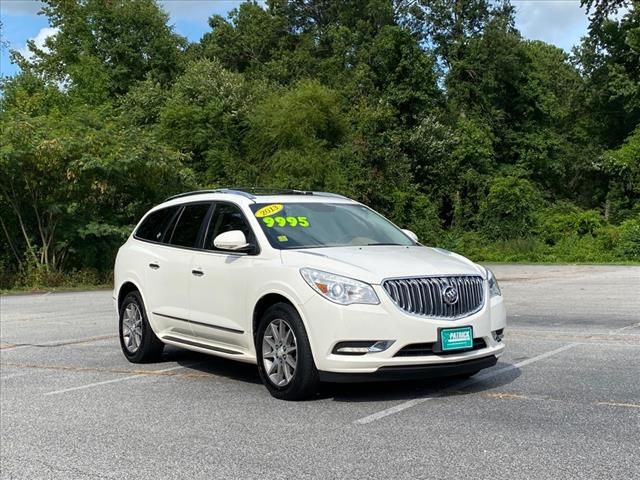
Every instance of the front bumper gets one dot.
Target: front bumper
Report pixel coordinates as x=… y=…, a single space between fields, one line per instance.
x=412 y=372
x=328 y=324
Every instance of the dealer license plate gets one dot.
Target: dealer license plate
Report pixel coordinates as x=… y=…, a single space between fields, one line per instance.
x=456 y=338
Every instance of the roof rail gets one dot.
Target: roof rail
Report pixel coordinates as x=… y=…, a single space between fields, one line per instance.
x=216 y=190
x=328 y=194
x=270 y=191
x=186 y=194
x=236 y=191
x=252 y=192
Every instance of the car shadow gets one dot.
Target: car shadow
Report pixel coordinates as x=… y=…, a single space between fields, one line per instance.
x=350 y=392
x=407 y=390
x=214 y=366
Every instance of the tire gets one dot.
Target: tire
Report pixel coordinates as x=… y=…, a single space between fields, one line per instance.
x=302 y=381
x=143 y=345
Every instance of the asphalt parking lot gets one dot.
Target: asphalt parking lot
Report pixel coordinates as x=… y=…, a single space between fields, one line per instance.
x=564 y=401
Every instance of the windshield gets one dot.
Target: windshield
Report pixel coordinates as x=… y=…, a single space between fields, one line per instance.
x=308 y=225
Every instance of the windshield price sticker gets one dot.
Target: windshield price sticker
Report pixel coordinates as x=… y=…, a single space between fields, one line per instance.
x=279 y=221
x=269 y=210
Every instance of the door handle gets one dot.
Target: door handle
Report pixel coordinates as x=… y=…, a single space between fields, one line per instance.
x=197 y=272
x=154 y=266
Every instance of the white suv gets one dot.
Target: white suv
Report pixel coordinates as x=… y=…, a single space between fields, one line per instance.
x=310 y=286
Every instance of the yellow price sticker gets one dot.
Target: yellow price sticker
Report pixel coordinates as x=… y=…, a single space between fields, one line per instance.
x=280 y=221
x=269 y=210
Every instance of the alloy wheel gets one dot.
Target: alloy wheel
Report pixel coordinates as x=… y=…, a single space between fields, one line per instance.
x=132 y=328
x=279 y=352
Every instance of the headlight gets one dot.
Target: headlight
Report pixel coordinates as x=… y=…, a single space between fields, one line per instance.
x=494 y=288
x=342 y=290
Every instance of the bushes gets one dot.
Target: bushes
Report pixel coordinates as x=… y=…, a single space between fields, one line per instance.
x=417 y=213
x=609 y=244
x=42 y=278
x=628 y=244
x=509 y=208
x=558 y=221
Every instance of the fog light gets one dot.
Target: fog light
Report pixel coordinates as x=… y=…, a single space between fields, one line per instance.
x=352 y=350
x=362 y=347
x=498 y=335
x=380 y=346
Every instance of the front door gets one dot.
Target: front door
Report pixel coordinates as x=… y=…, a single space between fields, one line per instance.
x=218 y=286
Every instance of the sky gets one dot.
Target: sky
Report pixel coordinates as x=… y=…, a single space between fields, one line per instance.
x=559 y=22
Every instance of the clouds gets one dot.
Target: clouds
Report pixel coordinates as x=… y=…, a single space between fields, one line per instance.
x=559 y=22
x=39 y=40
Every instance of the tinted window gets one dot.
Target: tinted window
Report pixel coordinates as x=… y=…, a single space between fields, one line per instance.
x=225 y=218
x=185 y=233
x=155 y=224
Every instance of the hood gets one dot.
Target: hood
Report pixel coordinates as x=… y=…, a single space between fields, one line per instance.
x=375 y=263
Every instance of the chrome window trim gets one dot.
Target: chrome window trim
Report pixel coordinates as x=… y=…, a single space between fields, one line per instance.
x=201 y=249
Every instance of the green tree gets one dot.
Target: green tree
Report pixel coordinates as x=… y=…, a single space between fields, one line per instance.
x=601 y=10
x=205 y=117
x=609 y=58
x=72 y=172
x=249 y=40
x=622 y=165
x=447 y=26
x=102 y=48
x=296 y=138
x=510 y=207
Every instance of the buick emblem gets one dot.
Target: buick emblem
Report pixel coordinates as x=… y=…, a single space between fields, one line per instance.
x=450 y=295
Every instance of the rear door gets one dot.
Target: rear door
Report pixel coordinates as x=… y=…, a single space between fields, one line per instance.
x=168 y=272
x=218 y=291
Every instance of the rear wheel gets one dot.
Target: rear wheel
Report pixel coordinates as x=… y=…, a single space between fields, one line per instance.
x=138 y=341
x=285 y=362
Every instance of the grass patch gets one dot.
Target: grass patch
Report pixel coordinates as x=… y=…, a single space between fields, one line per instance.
x=41 y=280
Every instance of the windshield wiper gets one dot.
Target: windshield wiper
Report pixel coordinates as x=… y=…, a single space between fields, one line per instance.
x=382 y=244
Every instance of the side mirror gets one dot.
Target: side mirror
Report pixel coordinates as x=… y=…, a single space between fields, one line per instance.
x=232 y=240
x=410 y=234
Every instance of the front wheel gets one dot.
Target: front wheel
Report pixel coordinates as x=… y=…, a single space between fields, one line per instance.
x=285 y=362
x=138 y=341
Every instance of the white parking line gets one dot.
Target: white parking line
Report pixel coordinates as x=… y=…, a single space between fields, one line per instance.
x=521 y=331
x=616 y=404
x=13 y=375
x=392 y=410
x=416 y=401
x=121 y=379
x=626 y=328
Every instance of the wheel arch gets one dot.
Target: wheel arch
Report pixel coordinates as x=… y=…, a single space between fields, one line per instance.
x=263 y=304
x=125 y=289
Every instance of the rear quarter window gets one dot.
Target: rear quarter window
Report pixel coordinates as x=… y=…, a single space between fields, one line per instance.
x=155 y=224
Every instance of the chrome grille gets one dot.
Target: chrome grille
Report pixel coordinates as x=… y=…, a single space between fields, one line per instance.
x=424 y=295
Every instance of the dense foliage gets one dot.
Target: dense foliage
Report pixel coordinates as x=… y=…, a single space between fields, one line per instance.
x=435 y=112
